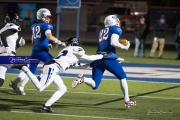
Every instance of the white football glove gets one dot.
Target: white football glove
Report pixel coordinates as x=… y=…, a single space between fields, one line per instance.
x=60 y=43
x=57 y=41
x=50 y=45
x=127 y=46
x=120 y=60
x=8 y=51
x=63 y=44
x=22 y=41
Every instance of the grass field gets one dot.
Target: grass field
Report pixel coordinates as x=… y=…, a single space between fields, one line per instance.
x=155 y=101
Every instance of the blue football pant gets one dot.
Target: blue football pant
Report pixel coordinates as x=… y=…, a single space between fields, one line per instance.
x=42 y=56
x=112 y=66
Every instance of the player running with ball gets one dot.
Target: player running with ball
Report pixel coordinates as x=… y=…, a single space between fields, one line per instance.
x=108 y=41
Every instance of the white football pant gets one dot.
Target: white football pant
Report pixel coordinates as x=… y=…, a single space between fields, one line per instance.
x=49 y=75
x=3 y=67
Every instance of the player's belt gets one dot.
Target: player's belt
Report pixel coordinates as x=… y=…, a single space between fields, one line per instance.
x=101 y=53
x=52 y=62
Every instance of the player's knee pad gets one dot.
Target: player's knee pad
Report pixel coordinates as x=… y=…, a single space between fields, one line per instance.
x=1 y=82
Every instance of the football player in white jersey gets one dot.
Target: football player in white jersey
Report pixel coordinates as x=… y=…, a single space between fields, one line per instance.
x=67 y=57
x=9 y=41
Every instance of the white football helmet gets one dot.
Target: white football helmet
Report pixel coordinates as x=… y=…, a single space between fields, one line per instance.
x=44 y=14
x=111 y=20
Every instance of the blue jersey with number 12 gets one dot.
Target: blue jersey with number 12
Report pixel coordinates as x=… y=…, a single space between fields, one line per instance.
x=39 y=38
x=105 y=39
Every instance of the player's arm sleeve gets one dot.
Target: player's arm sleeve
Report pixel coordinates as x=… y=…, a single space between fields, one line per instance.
x=48 y=33
x=91 y=57
x=32 y=40
x=5 y=34
x=115 y=41
x=52 y=38
x=80 y=53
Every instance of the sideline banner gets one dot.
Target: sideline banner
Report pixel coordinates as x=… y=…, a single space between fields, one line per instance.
x=18 y=60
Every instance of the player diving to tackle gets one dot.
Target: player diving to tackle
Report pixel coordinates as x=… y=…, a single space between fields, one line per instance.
x=9 y=40
x=41 y=36
x=108 y=41
x=67 y=57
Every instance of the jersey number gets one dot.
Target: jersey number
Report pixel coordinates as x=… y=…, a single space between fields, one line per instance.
x=63 y=53
x=103 y=34
x=36 y=32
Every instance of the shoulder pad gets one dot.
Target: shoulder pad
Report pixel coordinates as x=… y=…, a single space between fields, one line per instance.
x=49 y=26
x=77 y=48
x=116 y=29
x=79 y=51
x=13 y=26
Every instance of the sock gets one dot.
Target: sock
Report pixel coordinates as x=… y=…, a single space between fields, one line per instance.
x=24 y=81
x=124 y=88
x=1 y=82
x=90 y=82
x=61 y=91
x=19 y=78
x=16 y=80
x=54 y=98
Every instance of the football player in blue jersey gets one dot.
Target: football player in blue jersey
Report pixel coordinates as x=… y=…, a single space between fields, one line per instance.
x=108 y=41
x=41 y=35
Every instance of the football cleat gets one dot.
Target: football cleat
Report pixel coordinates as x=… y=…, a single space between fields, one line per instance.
x=79 y=80
x=13 y=85
x=47 y=108
x=130 y=103
x=20 y=91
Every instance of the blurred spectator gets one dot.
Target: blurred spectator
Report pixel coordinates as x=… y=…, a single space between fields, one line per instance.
x=159 y=37
x=140 y=36
x=177 y=39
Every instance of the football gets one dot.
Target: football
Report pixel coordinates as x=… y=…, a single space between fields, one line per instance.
x=123 y=41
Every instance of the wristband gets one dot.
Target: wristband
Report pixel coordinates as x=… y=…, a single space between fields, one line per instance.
x=57 y=41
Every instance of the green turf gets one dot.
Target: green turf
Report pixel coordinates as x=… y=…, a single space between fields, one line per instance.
x=155 y=101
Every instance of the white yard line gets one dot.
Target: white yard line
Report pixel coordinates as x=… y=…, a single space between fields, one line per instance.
x=94 y=93
x=69 y=115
